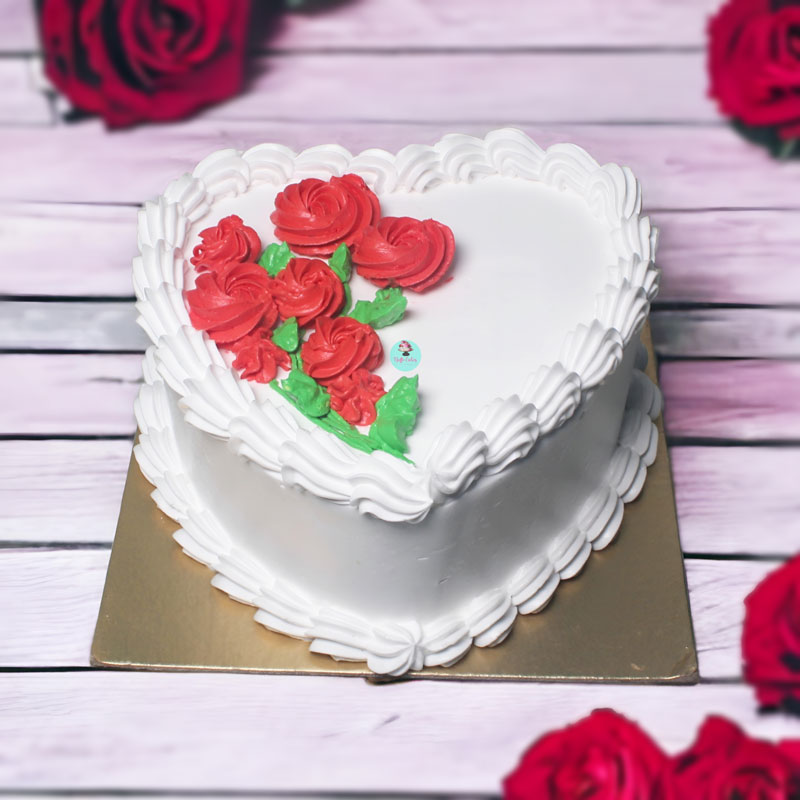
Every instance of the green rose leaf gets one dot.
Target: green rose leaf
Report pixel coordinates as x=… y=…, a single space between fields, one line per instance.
x=388 y=307
x=275 y=258
x=340 y=263
x=339 y=426
x=287 y=336
x=309 y=397
x=397 y=415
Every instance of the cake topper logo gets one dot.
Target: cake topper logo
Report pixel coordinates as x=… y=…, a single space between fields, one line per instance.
x=405 y=355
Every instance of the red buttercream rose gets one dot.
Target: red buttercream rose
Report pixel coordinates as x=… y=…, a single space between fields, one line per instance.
x=314 y=216
x=771 y=638
x=258 y=357
x=307 y=288
x=340 y=346
x=602 y=757
x=231 y=302
x=137 y=60
x=229 y=240
x=354 y=396
x=754 y=63
x=724 y=764
x=401 y=251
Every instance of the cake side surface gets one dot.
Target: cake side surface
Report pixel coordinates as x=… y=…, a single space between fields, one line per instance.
x=402 y=596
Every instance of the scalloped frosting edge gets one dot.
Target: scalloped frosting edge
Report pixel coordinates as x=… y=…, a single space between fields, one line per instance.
x=395 y=648
x=217 y=401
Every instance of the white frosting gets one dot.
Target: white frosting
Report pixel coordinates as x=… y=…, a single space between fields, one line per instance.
x=523 y=462
x=405 y=617
x=450 y=454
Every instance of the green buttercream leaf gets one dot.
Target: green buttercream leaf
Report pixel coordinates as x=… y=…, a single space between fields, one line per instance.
x=275 y=258
x=287 y=336
x=348 y=300
x=339 y=426
x=397 y=415
x=309 y=397
x=340 y=263
x=388 y=307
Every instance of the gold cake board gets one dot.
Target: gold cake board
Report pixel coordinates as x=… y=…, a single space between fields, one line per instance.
x=624 y=618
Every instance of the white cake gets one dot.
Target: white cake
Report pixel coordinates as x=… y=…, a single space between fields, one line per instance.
x=535 y=422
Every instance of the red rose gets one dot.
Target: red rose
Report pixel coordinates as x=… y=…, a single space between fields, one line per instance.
x=602 y=757
x=354 y=396
x=401 y=251
x=136 y=60
x=307 y=288
x=340 y=346
x=231 y=302
x=771 y=637
x=229 y=240
x=754 y=64
x=258 y=357
x=314 y=217
x=724 y=764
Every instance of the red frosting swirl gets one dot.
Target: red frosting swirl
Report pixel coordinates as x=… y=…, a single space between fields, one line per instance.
x=354 y=396
x=258 y=357
x=314 y=216
x=232 y=301
x=401 y=251
x=307 y=288
x=229 y=240
x=340 y=346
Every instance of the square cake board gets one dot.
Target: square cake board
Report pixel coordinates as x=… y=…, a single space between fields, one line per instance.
x=624 y=618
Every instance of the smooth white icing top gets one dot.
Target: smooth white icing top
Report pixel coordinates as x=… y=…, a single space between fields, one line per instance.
x=553 y=275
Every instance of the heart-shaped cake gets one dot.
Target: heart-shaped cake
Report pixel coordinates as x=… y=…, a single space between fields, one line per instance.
x=393 y=400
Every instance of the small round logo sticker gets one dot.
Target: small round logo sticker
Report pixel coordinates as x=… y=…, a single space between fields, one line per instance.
x=405 y=355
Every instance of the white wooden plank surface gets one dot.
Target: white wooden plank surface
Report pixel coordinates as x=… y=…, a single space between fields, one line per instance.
x=51 y=598
x=744 y=400
x=489 y=86
x=71 y=326
x=710 y=333
x=61 y=491
x=67 y=248
x=727 y=332
x=531 y=87
x=452 y=24
x=56 y=594
x=415 y=24
x=706 y=256
x=93 y=394
x=18 y=31
x=731 y=256
x=21 y=103
x=244 y=733
x=680 y=167
x=717 y=590
x=738 y=499
x=49 y=394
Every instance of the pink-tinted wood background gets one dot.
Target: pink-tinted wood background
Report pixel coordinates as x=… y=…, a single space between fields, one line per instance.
x=625 y=80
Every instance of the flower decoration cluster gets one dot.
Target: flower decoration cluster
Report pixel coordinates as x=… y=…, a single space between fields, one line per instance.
x=607 y=756
x=754 y=70
x=288 y=307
